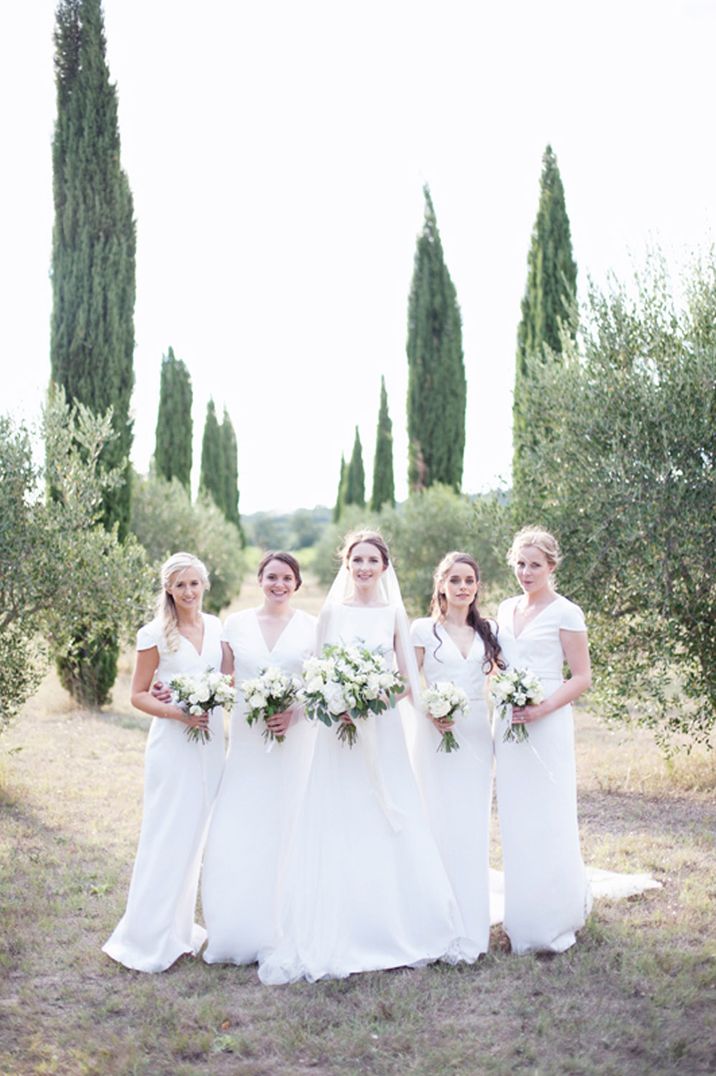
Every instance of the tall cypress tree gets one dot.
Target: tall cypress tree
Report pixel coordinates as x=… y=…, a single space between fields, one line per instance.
x=383 y=481
x=355 y=476
x=230 y=504
x=93 y=282
x=436 y=372
x=173 y=448
x=341 y=494
x=94 y=243
x=212 y=479
x=548 y=304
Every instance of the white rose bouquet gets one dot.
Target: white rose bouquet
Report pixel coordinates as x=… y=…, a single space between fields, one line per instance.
x=349 y=680
x=269 y=693
x=443 y=699
x=515 y=687
x=200 y=694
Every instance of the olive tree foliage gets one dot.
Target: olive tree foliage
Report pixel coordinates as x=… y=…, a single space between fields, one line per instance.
x=165 y=521
x=420 y=531
x=628 y=483
x=63 y=580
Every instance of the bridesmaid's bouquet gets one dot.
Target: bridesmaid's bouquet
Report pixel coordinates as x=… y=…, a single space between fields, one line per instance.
x=269 y=693
x=515 y=687
x=200 y=694
x=349 y=680
x=443 y=699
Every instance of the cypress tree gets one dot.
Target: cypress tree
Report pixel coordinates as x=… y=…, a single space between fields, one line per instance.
x=355 y=476
x=548 y=303
x=341 y=494
x=212 y=480
x=94 y=243
x=93 y=282
x=230 y=506
x=173 y=449
x=383 y=481
x=436 y=372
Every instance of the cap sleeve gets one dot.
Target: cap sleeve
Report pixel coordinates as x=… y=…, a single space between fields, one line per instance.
x=419 y=632
x=148 y=636
x=571 y=617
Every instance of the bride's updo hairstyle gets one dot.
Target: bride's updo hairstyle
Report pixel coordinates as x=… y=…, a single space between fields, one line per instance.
x=286 y=558
x=166 y=608
x=438 y=609
x=356 y=537
x=541 y=539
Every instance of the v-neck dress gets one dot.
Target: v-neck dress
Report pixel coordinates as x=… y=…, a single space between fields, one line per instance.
x=457 y=787
x=363 y=887
x=181 y=777
x=258 y=798
x=546 y=889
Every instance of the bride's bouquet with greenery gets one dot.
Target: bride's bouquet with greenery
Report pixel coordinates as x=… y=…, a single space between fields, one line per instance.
x=268 y=694
x=515 y=687
x=350 y=680
x=446 y=700
x=201 y=694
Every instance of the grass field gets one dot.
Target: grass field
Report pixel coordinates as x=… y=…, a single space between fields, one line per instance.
x=636 y=995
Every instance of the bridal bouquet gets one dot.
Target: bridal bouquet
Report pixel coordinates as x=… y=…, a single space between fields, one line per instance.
x=515 y=687
x=349 y=680
x=269 y=693
x=443 y=699
x=202 y=693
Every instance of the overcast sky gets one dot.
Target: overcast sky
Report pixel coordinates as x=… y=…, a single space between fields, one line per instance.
x=277 y=153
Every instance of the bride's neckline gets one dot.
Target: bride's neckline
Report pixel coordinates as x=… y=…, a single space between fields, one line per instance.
x=364 y=605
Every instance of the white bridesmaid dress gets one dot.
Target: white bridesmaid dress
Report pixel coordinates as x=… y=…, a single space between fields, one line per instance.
x=258 y=798
x=181 y=778
x=547 y=894
x=457 y=787
x=364 y=887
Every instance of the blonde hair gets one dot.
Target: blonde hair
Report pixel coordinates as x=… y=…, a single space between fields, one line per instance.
x=166 y=608
x=356 y=537
x=541 y=539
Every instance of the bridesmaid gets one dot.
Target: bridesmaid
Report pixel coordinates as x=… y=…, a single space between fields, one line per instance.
x=456 y=644
x=262 y=781
x=181 y=777
x=546 y=890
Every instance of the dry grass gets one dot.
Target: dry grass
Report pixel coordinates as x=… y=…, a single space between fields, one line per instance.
x=635 y=996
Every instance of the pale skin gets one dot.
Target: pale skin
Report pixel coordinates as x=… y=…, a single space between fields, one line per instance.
x=278 y=584
x=459 y=588
x=365 y=565
x=534 y=574
x=187 y=589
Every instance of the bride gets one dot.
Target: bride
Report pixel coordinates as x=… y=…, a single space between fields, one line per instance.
x=362 y=885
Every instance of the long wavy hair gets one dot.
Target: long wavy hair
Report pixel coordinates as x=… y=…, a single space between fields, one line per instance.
x=479 y=624
x=166 y=607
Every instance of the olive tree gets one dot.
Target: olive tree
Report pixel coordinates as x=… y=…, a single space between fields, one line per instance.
x=627 y=479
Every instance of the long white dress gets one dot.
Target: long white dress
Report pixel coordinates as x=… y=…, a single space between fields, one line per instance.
x=457 y=787
x=364 y=887
x=257 y=800
x=547 y=895
x=181 y=777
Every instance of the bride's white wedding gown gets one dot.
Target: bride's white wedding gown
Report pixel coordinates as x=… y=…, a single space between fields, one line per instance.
x=362 y=886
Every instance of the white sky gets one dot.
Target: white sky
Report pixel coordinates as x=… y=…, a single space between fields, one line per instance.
x=277 y=151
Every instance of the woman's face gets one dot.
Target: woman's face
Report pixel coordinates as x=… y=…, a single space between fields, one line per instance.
x=459 y=586
x=533 y=570
x=187 y=589
x=277 y=582
x=365 y=565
